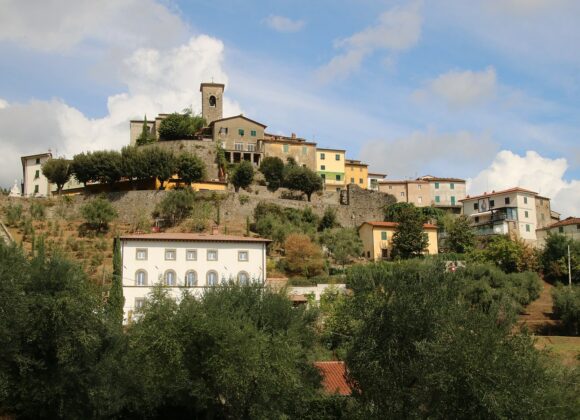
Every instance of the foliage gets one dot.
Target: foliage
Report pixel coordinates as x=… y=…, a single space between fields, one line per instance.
x=176 y=205
x=98 y=213
x=190 y=168
x=160 y=163
x=116 y=301
x=420 y=350
x=221 y=162
x=243 y=175
x=133 y=163
x=83 y=168
x=200 y=217
x=302 y=256
x=510 y=255
x=146 y=137
x=567 y=307
x=273 y=170
x=409 y=240
x=328 y=220
x=180 y=126
x=37 y=210
x=394 y=211
x=57 y=171
x=299 y=178
x=275 y=222
x=460 y=237
x=13 y=214
x=104 y=166
x=344 y=244
x=554 y=259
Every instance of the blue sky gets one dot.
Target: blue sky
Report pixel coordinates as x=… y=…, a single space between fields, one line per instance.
x=486 y=90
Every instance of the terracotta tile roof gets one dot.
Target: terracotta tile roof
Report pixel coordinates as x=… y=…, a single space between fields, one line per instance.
x=237 y=116
x=567 y=221
x=394 y=224
x=324 y=149
x=491 y=194
x=190 y=237
x=334 y=377
x=408 y=181
x=436 y=178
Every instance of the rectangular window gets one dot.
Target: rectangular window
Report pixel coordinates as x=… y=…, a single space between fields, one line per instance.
x=491 y=203
x=475 y=206
x=251 y=147
x=506 y=200
x=452 y=200
x=242 y=255
x=139 y=302
x=286 y=148
x=38 y=161
x=338 y=177
x=561 y=229
x=304 y=150
x=383 y=236
x=36 y=190
x=419 y=186
x=212 y=255
x=525 y=200
x=322 y=167
x=390 y=187
x=402 y=193
x=436 y=185
x=253 y=133
x=191 y=255
x=241 y=131
x=527 y=228
x=360 y=180
x=239 y=146
x=476 y=219
x=352 y=180
x=419 y=199
x=337 y=157
x=452 y=186
x=526 y=214
x=223 y=130
x=577 y=227
x=37 y=174
x=170 y=254
x=141 y=254
x=437 y=199
x=322 y=156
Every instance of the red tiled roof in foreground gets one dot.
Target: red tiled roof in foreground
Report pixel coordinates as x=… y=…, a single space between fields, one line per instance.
x=193 y=237
x=334 y=377
x=394 y=225
x=565 y=222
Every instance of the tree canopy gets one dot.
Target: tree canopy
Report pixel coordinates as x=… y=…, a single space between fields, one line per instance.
x=410 y=239
x=243 y=175
x=190 y=168
x=57 y=171
x=178 y=126
x=299 y=178
x=273 y=170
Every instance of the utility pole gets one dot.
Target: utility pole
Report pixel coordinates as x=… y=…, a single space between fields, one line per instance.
x=569 y=269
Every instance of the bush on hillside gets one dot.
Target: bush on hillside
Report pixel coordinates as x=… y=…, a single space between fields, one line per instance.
x=180 y=126
x=243 y=175
x=176 y=205
x=302 y=256
x=567 y=307
x=554 y=259
x=13 y=214
x=98 y=213
x=276 y=223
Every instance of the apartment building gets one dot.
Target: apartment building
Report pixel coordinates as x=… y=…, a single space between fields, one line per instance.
x=377 y=239
x=330 y=165
x=507 y=212
x=239 y=137
x=445 y=193
x=569 y=227
x=356 y=173
x=34 y=183
x=187 y=261
x=303 y=152
x=416 y=192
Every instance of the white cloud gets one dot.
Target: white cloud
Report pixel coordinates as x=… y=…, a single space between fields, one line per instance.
x=3 y=103
x=462 y=88
x=396 y=30
x=59 y=25
x=157 y=81
x=284 y=24
x=532 y=171
x=441 y=154
x=527 y=7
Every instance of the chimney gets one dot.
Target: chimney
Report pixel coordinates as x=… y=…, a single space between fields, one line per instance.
x=215 y=230
x=293 y=135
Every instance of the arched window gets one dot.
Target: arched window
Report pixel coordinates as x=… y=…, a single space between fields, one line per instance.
x=190 y=279
x=170 y=278
x=243 y=277
x=212 y=100
x=212 y=278
x=141 y=278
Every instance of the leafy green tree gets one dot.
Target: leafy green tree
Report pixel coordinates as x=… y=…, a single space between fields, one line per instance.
x=344 y=244
x=98 y=213
x=116 y=301
x=302 y=256
x=146 y=136
x=393 y=212
x=554 y=258
x=510 y=255
x=328 y=220
x=460 y=236
x=57 y=171
x=409 y=240
x=190 y=168
x=180 y=126
x=243 y=175
x=159 y=163
x=276 y=222
x=176 y=205
x=567 y=307
x=298 y=178
x=83 y=168
x=108 y=167
x=133 y=163
x=273 y=170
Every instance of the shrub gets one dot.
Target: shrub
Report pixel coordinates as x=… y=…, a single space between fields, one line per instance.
x=98 y=213
x=57 y=171
x=180 y=126
x=303 y=257
x=554 y=259
x=243 y=175
x=567 y=307
x=328 y=220
x=276 y=223
x=190 y=168
x=13 y=213
x=244 y=199
x=176 y=205
x=273 y=170
x=37 y=210
x=298 y=178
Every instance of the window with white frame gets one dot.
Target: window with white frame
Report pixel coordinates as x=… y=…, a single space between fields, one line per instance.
x=243 y=277
x=212 y=278
x=141 y=278
x=239 y=146
x=170 y=278
x=141 y=254
x=242 y=255
x=191 y=279
x=170 y=254
x=139 y=302
x=191 y=255
x=212 y=255
x=251 y=147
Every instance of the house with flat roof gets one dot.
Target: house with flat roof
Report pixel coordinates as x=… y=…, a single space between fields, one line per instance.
x=187 y=261
x=356 y=172
x=330 y=165
x=373 y=180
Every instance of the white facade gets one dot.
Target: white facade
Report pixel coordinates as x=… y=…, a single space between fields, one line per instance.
x=35 y=184
x=373 y=180
x=183 y=261
x=504 y=212
x=569 y=227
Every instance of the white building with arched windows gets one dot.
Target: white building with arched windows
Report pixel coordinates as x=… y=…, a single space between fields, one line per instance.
x=187 y=261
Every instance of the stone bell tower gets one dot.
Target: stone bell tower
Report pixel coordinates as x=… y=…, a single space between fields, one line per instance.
x=212 y=95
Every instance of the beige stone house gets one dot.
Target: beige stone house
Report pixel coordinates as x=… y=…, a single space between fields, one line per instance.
x=239 y=136
x=303 y=152
x=445 y=193
x=416 y=192
x=569 y=227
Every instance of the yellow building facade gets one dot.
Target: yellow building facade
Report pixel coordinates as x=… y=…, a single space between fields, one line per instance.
x=356 y=173
x=377 y=239
x=330 y=165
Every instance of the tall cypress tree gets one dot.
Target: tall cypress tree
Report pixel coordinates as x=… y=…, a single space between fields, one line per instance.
x=116 y=299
